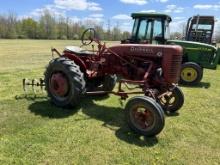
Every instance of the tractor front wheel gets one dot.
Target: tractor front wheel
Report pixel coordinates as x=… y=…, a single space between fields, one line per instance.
x=173 y=102
x=144 y=116
x=105 y=83
x=109 y=82
x=191 y=73
x=64 y=82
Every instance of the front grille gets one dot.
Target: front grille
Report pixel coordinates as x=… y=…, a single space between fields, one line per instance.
x=174 y=67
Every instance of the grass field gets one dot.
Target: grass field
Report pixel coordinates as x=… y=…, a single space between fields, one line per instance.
x=32 y=131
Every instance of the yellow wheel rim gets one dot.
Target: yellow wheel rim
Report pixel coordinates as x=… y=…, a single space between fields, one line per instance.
x=189 y=74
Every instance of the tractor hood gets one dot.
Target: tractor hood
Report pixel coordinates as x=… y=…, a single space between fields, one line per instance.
x=208 y=56
x=189 y=45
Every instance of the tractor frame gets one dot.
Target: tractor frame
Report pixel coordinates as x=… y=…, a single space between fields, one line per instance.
x=150 y=70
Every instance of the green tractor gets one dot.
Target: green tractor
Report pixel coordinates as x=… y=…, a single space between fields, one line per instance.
x=153 y=28
x=200 y=29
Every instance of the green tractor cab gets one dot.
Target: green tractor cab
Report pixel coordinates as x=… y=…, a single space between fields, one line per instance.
x=153 y=28
x=200 y=29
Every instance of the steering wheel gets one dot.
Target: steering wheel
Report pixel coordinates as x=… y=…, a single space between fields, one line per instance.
x=88 y=36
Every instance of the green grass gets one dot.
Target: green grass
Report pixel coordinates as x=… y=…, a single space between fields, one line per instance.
x=32 y=131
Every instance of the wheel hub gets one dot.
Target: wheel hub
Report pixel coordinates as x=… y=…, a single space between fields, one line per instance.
x=189 y=74
x=59 y=84
x=143 y=118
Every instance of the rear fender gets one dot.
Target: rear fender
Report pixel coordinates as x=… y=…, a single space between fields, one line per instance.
x=78 y=61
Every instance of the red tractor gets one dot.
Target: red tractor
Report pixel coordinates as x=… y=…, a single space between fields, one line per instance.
x=153 y=69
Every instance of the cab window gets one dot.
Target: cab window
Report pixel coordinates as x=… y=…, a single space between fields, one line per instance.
x=158 y=30
x=142 y=30
x=149 y=30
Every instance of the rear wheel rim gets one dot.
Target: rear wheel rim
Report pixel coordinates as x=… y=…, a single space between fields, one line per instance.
x=59 y=86
x=142 y=117
x=189 y=74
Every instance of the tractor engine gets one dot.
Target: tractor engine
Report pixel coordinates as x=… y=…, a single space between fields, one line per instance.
x=147 y=60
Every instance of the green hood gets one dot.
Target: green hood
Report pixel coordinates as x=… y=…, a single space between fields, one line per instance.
x=192 y=45
x=207 y=56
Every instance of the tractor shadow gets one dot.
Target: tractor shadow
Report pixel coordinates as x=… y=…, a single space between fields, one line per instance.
x=46 y=109
x=174 y=114
x=205 y=85
x=112 y=118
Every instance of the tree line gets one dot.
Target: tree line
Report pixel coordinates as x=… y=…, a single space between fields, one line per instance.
x=50 y=27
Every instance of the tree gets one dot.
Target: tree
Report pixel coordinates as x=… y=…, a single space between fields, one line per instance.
x=29 y=28
x=176 y=35
x=116 y=32
x=3 y=27
x=125 y=35
x=11 y=26
x=47 y=26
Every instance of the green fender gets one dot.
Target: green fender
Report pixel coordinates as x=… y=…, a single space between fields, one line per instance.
x=218 y=54
x=216 y=59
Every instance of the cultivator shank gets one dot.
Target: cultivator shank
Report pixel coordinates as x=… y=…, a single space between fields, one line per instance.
x=33 y=84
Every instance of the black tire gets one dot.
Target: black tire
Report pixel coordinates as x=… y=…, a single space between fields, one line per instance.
x=191 y=73
x=153 y=113
x=106 y=83
x=109 y=82
x=176 y=101
x=75 y=82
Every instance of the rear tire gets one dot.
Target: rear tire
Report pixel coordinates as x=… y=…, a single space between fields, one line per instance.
x=64 y=82
x=191 y=73
x=144 y=116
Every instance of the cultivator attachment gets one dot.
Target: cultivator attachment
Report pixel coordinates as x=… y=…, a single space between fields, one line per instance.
x=33 y=85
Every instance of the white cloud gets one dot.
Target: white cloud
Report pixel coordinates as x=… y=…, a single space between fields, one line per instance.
x=71 y=4
x=177 y=26
x=148 y=11
x=77 y=5
x=93 y=19
x=126 y=22
x=162 y=1
x=198 y=6
x=94 y=6
x=50 y=8
x=174 y=9
x=179 y=18
x=126 y=26
x=207 y=6
x=142 y=2
x=137 y=2
x=121 y=17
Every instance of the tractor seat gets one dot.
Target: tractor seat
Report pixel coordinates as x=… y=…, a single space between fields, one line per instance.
x=78 y=51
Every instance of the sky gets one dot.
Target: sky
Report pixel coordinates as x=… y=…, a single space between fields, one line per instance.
x=113 y=12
